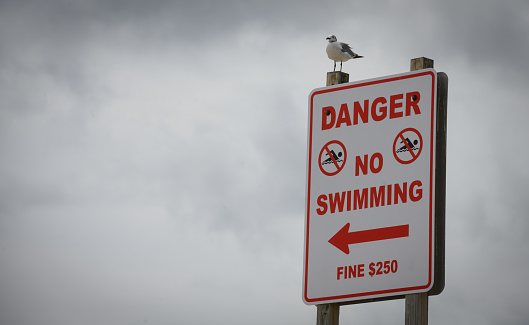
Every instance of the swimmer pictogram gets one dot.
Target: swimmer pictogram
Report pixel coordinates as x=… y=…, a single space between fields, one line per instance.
x=335 y=158
x=332 y=158
x=407 y=146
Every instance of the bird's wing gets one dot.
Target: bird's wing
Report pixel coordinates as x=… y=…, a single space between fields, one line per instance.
x=347 y=49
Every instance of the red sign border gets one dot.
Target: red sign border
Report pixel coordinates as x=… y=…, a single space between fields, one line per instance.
x=390 y=292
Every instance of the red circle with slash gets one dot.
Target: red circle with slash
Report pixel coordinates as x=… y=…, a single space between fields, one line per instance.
x=336 y=161
x=411 y=147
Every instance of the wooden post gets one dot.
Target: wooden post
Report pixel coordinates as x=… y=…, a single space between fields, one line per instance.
x=421 y=63
x=417 y=304
x=337 y=77
x=416 y=309
x=329 y=314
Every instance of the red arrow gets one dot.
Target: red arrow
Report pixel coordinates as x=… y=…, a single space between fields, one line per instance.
x=343 y=237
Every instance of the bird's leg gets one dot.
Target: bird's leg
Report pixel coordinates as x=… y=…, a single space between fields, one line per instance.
x=334 y=66
x=341 y=66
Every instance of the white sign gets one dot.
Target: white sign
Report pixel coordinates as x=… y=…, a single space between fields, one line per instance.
x=369 y=228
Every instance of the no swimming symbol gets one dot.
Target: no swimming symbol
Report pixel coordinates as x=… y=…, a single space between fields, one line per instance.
x=407 y=146
x=332 y=158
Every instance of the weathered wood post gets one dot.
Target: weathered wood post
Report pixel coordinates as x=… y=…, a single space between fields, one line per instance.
x=337 y=77
x=421 y=63
x=329 y=314
x=417 y=304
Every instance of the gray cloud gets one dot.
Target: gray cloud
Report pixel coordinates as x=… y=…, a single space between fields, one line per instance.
x=153 y=155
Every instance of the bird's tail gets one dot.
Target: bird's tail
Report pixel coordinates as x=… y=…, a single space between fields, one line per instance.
x=358 y=56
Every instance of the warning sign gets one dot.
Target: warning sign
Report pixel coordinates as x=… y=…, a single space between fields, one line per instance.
x=332 y=158
x=369 y=227
x=407 y=146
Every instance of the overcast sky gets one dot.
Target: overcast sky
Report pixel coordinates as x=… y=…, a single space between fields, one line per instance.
x=153 y=155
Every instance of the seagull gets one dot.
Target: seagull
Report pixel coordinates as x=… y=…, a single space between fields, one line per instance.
x=338 y=51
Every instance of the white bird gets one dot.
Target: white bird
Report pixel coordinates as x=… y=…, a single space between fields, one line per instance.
x=338 y=51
